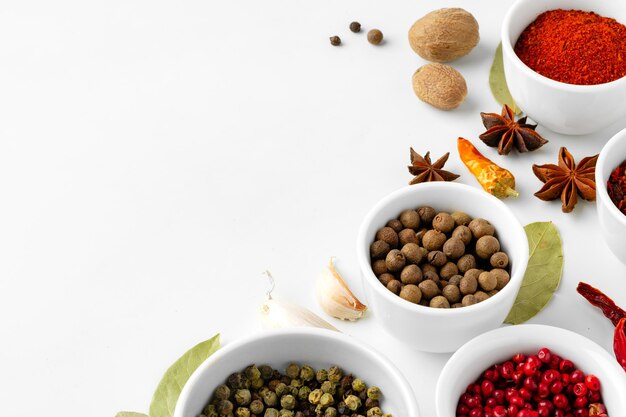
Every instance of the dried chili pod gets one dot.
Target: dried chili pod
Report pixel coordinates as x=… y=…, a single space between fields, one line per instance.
x=598 y=299
x=619 y=343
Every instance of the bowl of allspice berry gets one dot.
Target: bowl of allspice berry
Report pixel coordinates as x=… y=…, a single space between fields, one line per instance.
x=441 y=263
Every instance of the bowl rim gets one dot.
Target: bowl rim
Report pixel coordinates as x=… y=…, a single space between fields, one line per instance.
x=323 y=334
x=372 y=281
x=507 y=48
x=601 y=180
x=478 y=348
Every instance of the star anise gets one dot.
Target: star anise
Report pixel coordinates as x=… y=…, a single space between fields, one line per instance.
x=567 y=180
x=425 y=171
x=504 y=132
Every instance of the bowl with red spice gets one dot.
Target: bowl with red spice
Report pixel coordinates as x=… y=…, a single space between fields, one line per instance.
x=565 y=62
x=611 y=194
x=531 y=371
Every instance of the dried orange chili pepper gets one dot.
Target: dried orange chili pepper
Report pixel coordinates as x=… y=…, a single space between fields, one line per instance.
x=493 y=178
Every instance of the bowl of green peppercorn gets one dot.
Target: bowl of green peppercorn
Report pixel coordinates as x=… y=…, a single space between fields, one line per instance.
x=301 y=372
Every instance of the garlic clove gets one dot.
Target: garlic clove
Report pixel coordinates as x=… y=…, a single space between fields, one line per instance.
x=277 y=314
x=334 y=296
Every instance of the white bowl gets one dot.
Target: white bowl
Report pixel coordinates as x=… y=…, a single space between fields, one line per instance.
x=564 y=108
x=316 y=347
x=433 y=329
x=612 y=221
x=469 y=362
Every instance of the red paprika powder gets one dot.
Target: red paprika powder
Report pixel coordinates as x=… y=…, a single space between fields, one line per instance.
x=574 y=47
x=616 y=186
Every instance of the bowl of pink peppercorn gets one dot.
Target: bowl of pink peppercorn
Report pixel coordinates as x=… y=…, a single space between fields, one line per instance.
x=531 y=371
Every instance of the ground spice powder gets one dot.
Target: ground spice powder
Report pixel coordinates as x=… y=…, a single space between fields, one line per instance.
x=617 y=187
x=574 y=47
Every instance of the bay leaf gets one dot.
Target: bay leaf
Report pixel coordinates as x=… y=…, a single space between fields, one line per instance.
x=167 y=392
x=543 y=273
x=130 y=414
x=497 y=82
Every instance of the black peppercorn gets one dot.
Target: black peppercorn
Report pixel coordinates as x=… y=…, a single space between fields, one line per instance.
x=355 y=27
x=335 y=40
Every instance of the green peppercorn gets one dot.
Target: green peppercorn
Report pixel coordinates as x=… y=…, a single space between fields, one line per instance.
x=329 y=387
x=271 y=412
x=303 y=393
x=374 y=412
x=270 y=398
x=296 y=383
x=352 y=402
x=315 y=395
x=334 y=374
x=307 y=373
x=224 y=407
x=242 y=412
x=266 y=372
x=292 y=371
x=369 y=403
x=326 y=400
x=292 y=390
x=209 y=411
x=222 y=392
x=256 y=383
x=373 y=393
x=358 y=385
x=286 y=413
x=288 y=402
x=321 y=375
x=257 y=407
x=243 y=397
x=238 y=381
x=280 y=389
x=252 y=372
x=330 y=412
x=341 y=408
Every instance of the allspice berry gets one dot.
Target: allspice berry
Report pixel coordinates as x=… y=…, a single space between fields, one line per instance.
x=455 y=280
x=443 y=222
x=480 y=296
x=499 y=260
x=437 y=258
x=379 y=249
x=355 y=27
x=448 y=270
x=433 y=240
x=466 y=262
x=394 y=286
x=395 y=224
x=463 y=233
x=412 y=274
x=481 y=227
x=429 y=289
x=460 y=218
x=502 y=277
x=487 y=246
x=412 y=253
x=444 y=35
x=430 y=275
x=452 y=293
x=386 y=278
x=379 y=267
x=439 y=302
x=454 y=248
x=335 y=40
x=427 y=214
x=468 y=300
x=468 y=284
x=410 y=219
x=395 y=260
x=375 y=37
x=487 y=281
x=411 y=293
x=388 y=235
x=439 y=85
x=407 y=236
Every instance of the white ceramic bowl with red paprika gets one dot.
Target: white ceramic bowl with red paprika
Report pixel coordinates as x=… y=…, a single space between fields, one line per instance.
x=612 y=221
x=436 y=329
x=497 y=346
x=319 y=348
x=564 y=108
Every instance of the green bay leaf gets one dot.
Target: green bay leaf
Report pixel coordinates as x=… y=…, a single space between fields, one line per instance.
x=543 y=273
x=130 y=414
x=497 y=82
x=167 y=393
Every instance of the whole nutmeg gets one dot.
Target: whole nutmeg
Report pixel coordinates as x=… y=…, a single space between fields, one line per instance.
x=394 y=286
x=466 y=262
x=468 y=300
x=411 y=293
x=395 y=224
x=448 y=270
x=433 y=240
x=379 y=267
x=468 y=284
x=502 y=277
x=412 y=274
x=463 y=233
x=499 y=260
x=437 y=258
x=386 y=278
x=460 y=218
x=412 y=253
x=410 y=219
x=379 y=249
x=429 y=289
x=427 y=214
x=439 y=85
x=487 y=246
x=443 y=222
x=444 y=35
x=481 y=227
x=388 y=235
x=452 y=293
x=395 y=260
x=407 y=236
x=487 y=281
x=454 y=248
x=439 y=302
x=375 y=37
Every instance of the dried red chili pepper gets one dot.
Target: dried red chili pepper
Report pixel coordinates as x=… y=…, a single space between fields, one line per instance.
x=602 y=301
x=619 y=343
x=616 y=186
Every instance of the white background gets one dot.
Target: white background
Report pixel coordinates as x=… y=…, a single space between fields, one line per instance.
x=156 y=156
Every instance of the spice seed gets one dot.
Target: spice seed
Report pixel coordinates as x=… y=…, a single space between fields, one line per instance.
x=375 y=37
x=355 y=27
x=335 y=40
